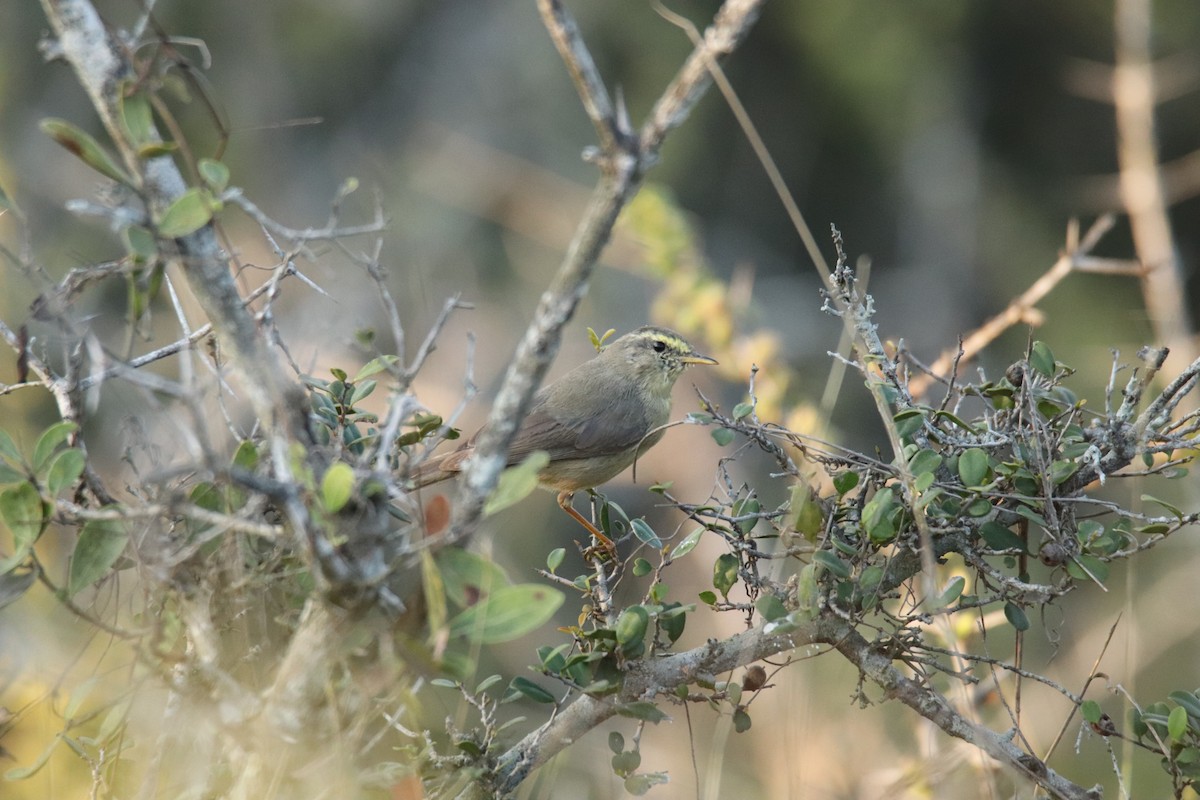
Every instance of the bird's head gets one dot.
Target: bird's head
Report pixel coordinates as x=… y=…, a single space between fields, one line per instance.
x=655 y=356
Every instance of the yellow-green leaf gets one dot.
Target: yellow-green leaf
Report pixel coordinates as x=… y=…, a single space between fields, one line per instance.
x=190 y=212
x=215 y=174
x=49 y=441
x=100 y=545
x=85 y=148
x=507 y=613
x=139 y=244
x=468 y=576
x=64 y=470
x=516 y=483
x=337 y=487
x=137 y=120
x=22 y=510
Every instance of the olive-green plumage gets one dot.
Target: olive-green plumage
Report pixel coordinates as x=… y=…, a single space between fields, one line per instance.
x=598 y=418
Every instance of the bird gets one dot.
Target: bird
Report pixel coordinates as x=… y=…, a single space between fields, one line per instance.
x=595 y=420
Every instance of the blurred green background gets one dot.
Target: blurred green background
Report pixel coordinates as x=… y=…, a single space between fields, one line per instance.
x=950 y=143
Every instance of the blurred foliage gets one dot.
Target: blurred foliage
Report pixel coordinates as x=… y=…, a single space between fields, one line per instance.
x=950 y=142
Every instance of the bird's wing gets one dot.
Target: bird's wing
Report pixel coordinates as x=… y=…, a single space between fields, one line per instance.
x=608 y=432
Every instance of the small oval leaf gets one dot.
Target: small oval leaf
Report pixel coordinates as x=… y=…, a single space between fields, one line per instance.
x=337 y=487
x=190 y=212
x=973 y=467
x=64 y=470
x=725 y=571
x=687 y=544
x=22 y=510
x=1016 y=616
x=516 y=483
x=507 y=613
x=644 y=532
x=100 y=544
x=86 y=148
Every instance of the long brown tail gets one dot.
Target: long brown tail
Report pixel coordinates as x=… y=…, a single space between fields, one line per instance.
x=439 y=469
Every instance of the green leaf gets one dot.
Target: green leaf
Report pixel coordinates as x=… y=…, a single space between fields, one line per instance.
x=1085 y=567
x=598 y=341
x=980 y=507
x=946 y=415
x=869 y=579
x=643 y=531
x=1041 y=359
x=708 y=598
x=877 y=516
x=531 y=690
x=555 y=559
x=1061 y=470
x=643 y=710
x=687 y=544
x=770 y=607
x=673 y=619
x=516 y=483
x=214 y=173
x=642 y=567
x=807 y=519
x=139 y=244
x=468 y=577
x=741 y=720
x=625 y=763
x=643 y=782
x=832 y=563
x=13 y=585
x=1016 y=616
x=953 y=590
x=377 y=365
x=137 y=119
x=190 y=212
x=87 y=149
x=1189 y=701
x=64 y=470
x=8 y=448
x=845 y=482
x=23 y=512
x=998 y=537
x=742 y=410
x=725 y=572
x=337 y=487
x=1137 y=724
x=973 y=467
x=631 y=626
x=155 y=149
x=924 y=461
x=616 y=742
x=246 y=456
x=100 y=544
x=1029 y=514
x=21 y=773
x=1173 y=509
x=1177 y=724
x=362 y=391
x=1091 y=711
x=722 y=436
x=507 y=613
x=49 y=442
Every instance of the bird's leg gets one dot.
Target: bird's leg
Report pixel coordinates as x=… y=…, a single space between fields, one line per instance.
x=564 y=502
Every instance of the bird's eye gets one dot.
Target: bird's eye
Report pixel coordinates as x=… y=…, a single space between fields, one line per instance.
x=659 y=345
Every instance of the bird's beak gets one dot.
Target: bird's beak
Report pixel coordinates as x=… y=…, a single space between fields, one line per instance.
x=696 y=358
